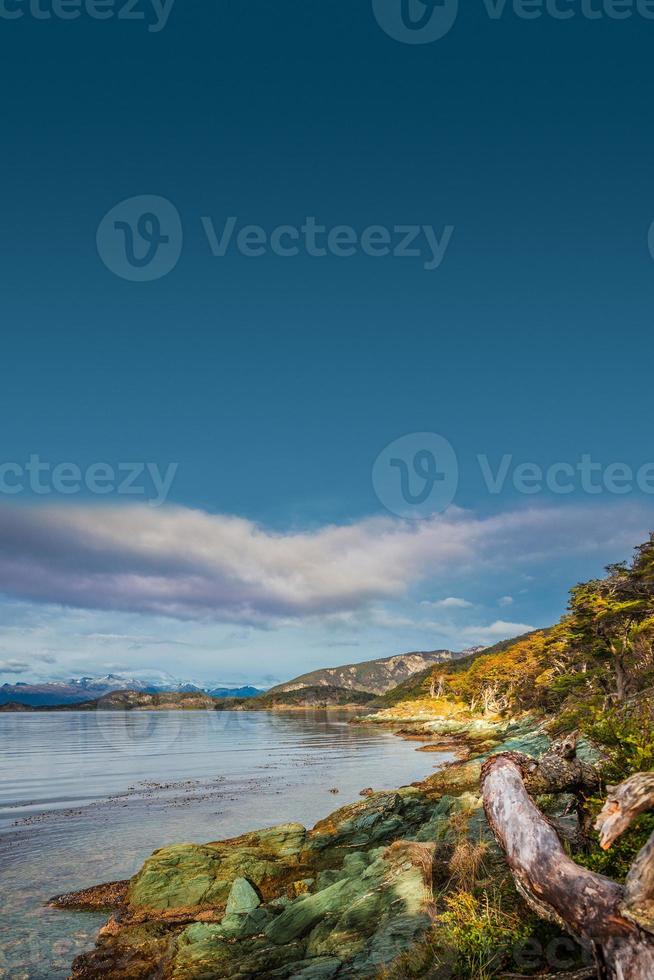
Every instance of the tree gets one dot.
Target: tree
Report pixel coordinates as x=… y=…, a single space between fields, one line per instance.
x=615 y=921
x=611 y=619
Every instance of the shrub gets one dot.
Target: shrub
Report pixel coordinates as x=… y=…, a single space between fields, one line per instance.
x=481 y=932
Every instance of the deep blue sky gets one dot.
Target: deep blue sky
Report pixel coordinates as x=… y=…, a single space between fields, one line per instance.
x=274 y=383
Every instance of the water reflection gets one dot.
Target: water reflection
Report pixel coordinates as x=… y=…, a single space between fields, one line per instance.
x=86 y=797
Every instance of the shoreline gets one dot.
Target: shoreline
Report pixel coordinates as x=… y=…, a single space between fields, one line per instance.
x=82 y=709
x=277 y=768
x=291 y=876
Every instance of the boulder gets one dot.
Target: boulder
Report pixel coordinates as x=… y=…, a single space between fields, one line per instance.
x=242 y=897
x=188 y=876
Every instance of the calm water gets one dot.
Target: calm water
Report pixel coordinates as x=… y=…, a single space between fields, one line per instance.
x=86 y=797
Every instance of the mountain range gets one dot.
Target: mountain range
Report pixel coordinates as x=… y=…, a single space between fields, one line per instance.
x=80 y=689
x=372 y=676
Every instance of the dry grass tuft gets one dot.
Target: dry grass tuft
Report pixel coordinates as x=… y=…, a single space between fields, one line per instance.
x=467 y=863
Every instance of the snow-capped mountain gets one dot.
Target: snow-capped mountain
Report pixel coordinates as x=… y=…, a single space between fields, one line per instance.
x=87 y=688
x=138 y=680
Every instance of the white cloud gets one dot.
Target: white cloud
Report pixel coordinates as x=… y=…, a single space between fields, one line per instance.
x=506 y=600
x=191 y=564
x=13 y=667
x=450 y=603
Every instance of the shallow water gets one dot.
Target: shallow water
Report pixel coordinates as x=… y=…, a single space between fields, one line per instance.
x=85 y=797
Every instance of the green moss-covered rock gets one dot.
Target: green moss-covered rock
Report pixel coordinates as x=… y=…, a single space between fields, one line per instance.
x=379 y=819
x=178 y=877
x=472 y=728
x=588 y=752
x=215 y=958
x=395 y=934
x=439 y=827
x=242 y=897
x=301 y=915
x=317 y=968
x=531 y=743
x=343 y=918
x=234 y=926
x=191 y=875
x=457 y=778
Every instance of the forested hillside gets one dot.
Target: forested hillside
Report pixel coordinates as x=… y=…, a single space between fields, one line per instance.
x=595 y=663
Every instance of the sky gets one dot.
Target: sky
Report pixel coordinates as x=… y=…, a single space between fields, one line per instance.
x=323 y=337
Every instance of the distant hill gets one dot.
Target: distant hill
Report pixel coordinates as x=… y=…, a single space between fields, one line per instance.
x=53 y=692
x=318 y=696
x=371 y=676
x=307 y=697
x=129 y=701
x=81 y=689
x=234 y=692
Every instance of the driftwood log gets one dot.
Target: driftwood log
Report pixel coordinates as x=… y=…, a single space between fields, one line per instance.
x=612 y=920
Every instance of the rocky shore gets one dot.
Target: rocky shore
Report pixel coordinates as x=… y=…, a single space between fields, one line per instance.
x=412 y=882
x=346 y=898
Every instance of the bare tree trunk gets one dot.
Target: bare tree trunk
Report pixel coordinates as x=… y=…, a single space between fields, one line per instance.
x=586 y=904
x=620 y=680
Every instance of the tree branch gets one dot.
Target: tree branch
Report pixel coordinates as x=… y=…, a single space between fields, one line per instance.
x=586 y=904
x=624 y=804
